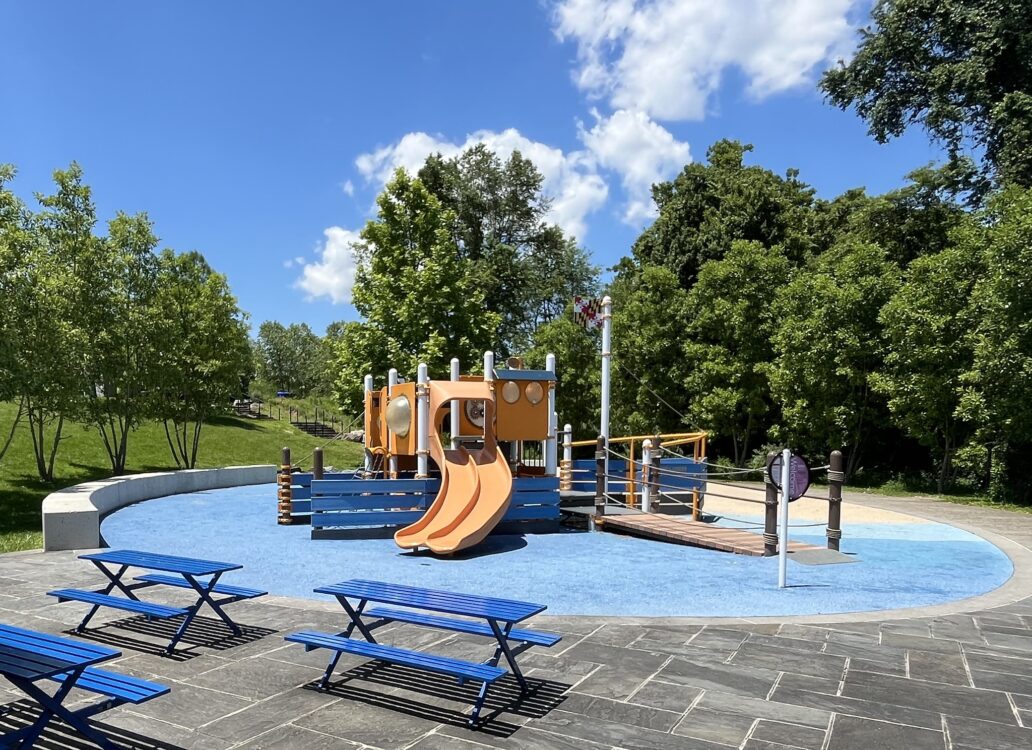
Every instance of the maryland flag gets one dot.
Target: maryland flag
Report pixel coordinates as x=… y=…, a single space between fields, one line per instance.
x=587 y=312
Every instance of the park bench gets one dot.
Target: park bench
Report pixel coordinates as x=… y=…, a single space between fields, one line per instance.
x=187 y=573
x=28 y=657
x=485 y=616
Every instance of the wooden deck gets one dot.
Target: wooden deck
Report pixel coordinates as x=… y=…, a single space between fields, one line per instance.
x=693 y=533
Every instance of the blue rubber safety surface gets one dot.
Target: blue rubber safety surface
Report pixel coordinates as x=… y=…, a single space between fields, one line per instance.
x=573 y=572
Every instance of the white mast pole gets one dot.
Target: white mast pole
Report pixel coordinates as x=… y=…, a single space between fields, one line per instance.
x=607 y=353
x=786 y=493
x=552 y=442
x=392 y=465
x=455 y=373
x=367 y=386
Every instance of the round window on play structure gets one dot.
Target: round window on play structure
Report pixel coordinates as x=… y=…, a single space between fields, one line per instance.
x=511 y=392
x=399 y=416
x=535 y=393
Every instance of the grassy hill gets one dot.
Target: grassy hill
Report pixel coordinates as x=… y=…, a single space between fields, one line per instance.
x=225 y=441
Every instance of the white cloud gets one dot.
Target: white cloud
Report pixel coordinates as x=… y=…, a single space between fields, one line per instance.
x=570 y=179
x=348 y=187
x=666 y=57
x=641 y=151
x=333 y=274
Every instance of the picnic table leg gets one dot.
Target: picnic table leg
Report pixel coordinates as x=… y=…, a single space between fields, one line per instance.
x=335 y=656
x=503 y=645
x=114 y=580
x=52 y=707
x=356 y=617
x=205 y=596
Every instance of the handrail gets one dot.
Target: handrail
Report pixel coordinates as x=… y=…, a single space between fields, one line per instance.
x=686 y=436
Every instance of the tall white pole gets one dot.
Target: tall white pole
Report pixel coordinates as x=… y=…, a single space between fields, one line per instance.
x=568 y=456
x=422 y=422
x=392 y=465
x=646 y=476
x=552 y=442
x=607 y=353
x=786 y=473
x=455 y=420
x=367 y=387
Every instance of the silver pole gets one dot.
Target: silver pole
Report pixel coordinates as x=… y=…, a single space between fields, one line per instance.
x=392 y=465
x=646 y=476
x=551 y=442
x=607 y=340
x=455 y=373
x=422 y=422
x=786 y=461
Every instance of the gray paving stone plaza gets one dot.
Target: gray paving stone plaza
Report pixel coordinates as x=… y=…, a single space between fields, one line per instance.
x=951 y=676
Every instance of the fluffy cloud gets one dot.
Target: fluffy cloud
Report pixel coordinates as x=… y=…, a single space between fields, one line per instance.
x=348 y=187
x=666 y=57
x=570 y=179
x=333 y=275
x=641 y=151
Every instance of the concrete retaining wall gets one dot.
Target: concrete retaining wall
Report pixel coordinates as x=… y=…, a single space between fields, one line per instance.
x=71 y=517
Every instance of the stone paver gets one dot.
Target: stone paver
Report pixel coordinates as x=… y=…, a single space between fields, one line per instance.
x=952 y=676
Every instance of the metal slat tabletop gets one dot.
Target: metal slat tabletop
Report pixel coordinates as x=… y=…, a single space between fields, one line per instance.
x=169 y=563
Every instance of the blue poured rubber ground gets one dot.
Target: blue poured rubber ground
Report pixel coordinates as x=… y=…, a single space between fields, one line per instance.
x=573 y=572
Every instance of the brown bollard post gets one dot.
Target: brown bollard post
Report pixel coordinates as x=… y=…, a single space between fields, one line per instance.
x=600 y=477
x=836 y=478
x=770 y=515
x=317 y=464
x=284 y=493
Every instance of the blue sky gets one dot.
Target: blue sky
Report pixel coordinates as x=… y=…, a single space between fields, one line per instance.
x=260 y=133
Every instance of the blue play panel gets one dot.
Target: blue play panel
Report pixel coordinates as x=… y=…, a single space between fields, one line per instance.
x=574 y=573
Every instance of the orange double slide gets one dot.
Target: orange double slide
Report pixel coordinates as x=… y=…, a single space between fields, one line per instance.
x=476 y=486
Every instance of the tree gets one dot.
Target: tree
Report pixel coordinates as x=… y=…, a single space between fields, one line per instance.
x=201 y=337
x=962 y=69
x=419 y=300
x=730 y=324
x=528 y=269
x=14 y=241
x=996 y=388
x=578 y=372
x=709 y=206
x=647 y=369
x=121 y=365
x=827 y=345
x=291 y=357
x=926 y=323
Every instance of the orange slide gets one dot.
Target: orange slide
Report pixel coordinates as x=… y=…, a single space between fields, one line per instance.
x=476 y=486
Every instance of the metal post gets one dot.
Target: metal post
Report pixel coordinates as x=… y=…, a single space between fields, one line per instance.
x=567 y=477
x=770 y=515
x=600 y=481
x=657 y=479
x=317 y=464
x=786 y=478
x=646 y=476
x=392 y=464
x=367 y=385
x=607 y=340
x=552 y=442
x=284 y=493
x=836 y=477
x=422 y=422
x=455 y=418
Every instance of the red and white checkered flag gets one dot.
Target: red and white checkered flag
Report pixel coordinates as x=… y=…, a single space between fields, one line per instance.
x=587 y=312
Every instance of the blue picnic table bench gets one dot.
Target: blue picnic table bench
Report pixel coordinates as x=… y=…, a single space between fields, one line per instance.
x=186 y=573
x=28 y=658
x=487 y=616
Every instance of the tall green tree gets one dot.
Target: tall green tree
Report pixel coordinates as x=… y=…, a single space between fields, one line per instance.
x=961 y=69
x=827 y=345
x=996 y=388
x=529 y=269
x=647 y=367
x=727 y=348
x=290 y=357
x=201 y=338
x=926 y=323
x=120 y=366
x=419 y=300
x=578 y=371
x=15 y=239
x=708 y=206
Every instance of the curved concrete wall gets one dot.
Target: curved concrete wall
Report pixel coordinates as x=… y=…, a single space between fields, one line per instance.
x=71 y=517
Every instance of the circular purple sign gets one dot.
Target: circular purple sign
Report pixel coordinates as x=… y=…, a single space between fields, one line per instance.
x=798 y=475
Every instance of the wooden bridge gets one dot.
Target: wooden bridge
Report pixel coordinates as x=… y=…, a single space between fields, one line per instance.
x=678 y=530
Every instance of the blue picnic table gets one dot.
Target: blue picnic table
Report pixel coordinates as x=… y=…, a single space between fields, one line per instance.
x=484 y=616
x=187 y=573
x=28 y=658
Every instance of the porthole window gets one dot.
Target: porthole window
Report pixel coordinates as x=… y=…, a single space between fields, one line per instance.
x=399 y=416
x=511 y=392
x=535 y=393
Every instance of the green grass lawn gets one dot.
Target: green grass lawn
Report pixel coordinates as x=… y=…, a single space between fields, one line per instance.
x=898 y=488
x=225 y=441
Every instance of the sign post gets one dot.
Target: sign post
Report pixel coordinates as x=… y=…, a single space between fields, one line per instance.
x=791 y=475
